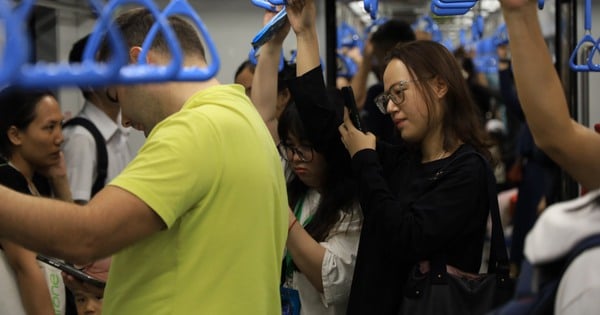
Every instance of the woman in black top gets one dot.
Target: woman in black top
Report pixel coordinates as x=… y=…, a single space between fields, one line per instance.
x=420 y=200
x=32 y=163
x=425 y=199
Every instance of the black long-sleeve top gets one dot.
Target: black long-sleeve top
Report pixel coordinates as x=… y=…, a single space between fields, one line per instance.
x=413 y=211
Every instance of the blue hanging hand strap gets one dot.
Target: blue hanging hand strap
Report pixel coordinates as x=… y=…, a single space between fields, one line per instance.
x=16 y=50
x=586 y=39
x=182 y=7
x=141 y=72
x=372 y=6
x=88 y=72
x=267 y=5
x=252 y=58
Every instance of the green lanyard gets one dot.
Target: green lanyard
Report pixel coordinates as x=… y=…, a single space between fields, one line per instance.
x=298 y=213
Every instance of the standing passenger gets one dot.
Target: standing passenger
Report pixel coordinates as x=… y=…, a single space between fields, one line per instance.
x=30 y=127
x=572 y=146
x=426 y=198
x=324 y=226
x=197 y=220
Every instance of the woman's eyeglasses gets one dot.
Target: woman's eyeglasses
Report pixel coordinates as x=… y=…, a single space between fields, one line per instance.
x=304 y=153
x=395 y=94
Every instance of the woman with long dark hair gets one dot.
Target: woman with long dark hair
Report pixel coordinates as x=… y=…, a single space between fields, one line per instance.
x=325 y=218
x=427 y=198
x=30 y=139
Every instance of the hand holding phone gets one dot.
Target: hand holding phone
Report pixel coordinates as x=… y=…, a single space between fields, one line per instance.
x=270 y=29
x=72 y=271
x=350 y=103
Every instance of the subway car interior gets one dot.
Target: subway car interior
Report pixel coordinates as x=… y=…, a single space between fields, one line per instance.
x=230 y=26
x=36 y=37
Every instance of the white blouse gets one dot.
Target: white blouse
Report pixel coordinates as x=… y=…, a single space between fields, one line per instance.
x=338 y=263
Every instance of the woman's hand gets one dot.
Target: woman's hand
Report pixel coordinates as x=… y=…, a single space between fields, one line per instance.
x=353 y=139
x=282 y=33
x=97 y=269
x=57 y=174
x=57 y=170
x=302 y=15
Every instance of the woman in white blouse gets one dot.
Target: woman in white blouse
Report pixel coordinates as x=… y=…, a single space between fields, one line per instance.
x=325 y=217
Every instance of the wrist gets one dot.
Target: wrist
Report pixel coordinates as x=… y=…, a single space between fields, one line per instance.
x=309 y=33
x=291 y=225
x=272 y=48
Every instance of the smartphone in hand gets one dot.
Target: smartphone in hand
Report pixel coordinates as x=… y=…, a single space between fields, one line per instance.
x=71 y=270
x=350 y=103
x=270 y=29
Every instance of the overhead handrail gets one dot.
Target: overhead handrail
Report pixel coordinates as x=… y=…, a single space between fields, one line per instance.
x=500 y=36
x=462 y=37
x=265 y=4
x=182 y=7
x=454 y=4
x=477 y=28
x=590 y=61
x=375 y=23
x=486 y=57
x=252 y=58
x=458 y=7
x=88 y=72
x=371 y=6
x=141 y=72
x=347 y=36
x=346 y=67
x=15 y=48
x=586 y=39
x=445 y=9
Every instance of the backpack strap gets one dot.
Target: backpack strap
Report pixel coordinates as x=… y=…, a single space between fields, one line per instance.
x=101 y=153
x=540 y=293
x=583 y=245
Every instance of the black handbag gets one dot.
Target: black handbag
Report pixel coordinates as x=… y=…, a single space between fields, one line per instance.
x=438 y=292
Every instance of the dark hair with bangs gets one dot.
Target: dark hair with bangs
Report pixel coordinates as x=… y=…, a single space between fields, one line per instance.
x=339 y=191
x=427 y=60
x=17 y=108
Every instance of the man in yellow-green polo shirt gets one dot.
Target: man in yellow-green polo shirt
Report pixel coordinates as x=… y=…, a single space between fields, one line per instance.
x=197 y=220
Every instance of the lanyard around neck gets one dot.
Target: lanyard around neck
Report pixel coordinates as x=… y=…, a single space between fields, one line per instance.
x=298 y=211
x=289 y=265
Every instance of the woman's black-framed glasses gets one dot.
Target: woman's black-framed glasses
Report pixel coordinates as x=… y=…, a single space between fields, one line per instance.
x=304 y=153
x=395 y=94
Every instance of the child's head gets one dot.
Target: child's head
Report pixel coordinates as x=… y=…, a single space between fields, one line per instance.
x=87 y=303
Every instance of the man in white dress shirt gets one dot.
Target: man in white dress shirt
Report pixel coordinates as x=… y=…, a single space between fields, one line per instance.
x=79 y=147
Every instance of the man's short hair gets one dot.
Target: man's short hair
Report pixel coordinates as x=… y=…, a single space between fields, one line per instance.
x=136 y=23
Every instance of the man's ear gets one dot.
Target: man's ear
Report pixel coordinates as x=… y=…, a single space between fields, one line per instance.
x=14 y=136
x=152 y=58
x=134 y=54
x=440 y=87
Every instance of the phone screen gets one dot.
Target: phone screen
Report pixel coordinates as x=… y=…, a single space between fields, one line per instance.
x=71 y=270
x=350 y=103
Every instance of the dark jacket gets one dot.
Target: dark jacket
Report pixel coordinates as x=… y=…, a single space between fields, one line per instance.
x=412 y=211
